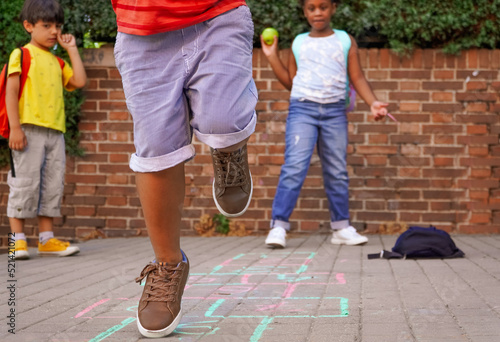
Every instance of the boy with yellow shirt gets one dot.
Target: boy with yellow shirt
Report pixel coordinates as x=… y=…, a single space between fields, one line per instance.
x=37 y=126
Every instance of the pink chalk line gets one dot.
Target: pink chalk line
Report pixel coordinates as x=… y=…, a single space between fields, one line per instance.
x=244 y=279
x=289 y=290
x=269 y=307
x=83 y=312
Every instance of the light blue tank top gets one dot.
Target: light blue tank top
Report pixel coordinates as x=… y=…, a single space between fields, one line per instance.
x=321 y=67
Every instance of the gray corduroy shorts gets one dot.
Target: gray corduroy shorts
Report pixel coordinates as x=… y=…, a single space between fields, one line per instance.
x=193 y=80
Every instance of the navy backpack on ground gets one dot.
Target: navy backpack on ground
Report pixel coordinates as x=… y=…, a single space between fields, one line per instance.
x=420 y=242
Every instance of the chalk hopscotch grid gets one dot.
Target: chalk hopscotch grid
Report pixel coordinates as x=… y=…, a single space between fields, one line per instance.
x=288 y=275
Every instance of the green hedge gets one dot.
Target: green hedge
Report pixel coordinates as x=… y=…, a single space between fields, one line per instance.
x=401 y=25
x=452 y=25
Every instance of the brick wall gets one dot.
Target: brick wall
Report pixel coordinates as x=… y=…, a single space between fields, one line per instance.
x=440 y=165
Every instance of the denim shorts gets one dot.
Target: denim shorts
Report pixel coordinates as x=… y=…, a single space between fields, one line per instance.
x=193 y=80
x=37 y=189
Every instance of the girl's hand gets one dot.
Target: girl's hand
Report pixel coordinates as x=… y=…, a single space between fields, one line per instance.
x=17 y=139
x=269 y=50
x=379 y=110
x=66 y=41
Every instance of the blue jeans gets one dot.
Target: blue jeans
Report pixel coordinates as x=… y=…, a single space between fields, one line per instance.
x=310 y=123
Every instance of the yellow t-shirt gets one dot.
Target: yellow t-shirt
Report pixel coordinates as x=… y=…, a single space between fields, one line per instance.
x=42 y=102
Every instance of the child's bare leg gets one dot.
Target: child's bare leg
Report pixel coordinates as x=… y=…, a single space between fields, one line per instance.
x=16 y=225
x=45 y=224
x=162 y=198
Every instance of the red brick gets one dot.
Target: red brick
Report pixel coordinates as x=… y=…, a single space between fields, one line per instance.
x=476 y=107
x=444 y=74
x=414 y=96
x=476 y=85
x=373 y=58
x=110 y=84
x=472 y=59
x=410 y=74
x=96 y=95
x=409 y=107
x=481 y=173
x=385 y=58
x=442 y=96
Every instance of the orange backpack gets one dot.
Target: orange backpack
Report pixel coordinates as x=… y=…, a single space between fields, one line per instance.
x=25 y=67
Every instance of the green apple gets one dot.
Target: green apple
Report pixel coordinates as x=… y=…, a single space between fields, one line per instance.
x=268 y=35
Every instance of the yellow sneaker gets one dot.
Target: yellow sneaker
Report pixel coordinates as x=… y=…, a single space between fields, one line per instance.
x=21 y=250
x=56 y=247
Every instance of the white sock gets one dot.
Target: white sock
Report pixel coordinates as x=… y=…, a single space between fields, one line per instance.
x=19 y=236
x=45 y=236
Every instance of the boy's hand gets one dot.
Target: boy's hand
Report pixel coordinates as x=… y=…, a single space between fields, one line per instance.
x=17 y=139
x=269 y=50
x=379 y=110
x=66 y=41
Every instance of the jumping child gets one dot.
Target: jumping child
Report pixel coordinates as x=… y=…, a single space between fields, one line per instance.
x=186 y=68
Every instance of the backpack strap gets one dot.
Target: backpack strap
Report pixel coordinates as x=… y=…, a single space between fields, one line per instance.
x=297 y=43
x=386 y=255
x=25 y=68
x=345 y=40
x=61 y=62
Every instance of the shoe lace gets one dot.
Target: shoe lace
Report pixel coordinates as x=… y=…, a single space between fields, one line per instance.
x=231 y=164
x=164 y=282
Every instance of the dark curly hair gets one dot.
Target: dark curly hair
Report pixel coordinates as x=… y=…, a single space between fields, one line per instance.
x=303 y=2
x=49 y=11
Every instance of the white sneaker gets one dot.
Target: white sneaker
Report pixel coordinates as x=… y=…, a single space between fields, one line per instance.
x=276 y=238
x=348 y=236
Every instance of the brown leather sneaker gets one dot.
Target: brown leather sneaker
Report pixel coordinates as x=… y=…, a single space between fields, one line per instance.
x=232 y=187
x=160 y=308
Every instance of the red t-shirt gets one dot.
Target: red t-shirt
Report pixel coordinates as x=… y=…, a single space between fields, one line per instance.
x=145 y=17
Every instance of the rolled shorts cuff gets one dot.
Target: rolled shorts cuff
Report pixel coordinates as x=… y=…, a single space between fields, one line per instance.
x=339 y=224
x=54 y=212
x=228 y=139
x=283 y=224
x=155 y=164
x=24 y=214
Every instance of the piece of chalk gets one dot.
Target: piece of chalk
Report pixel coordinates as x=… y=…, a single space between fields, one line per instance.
x=392 y=117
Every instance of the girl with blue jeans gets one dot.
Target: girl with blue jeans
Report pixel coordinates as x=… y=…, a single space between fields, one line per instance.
x=317 y=116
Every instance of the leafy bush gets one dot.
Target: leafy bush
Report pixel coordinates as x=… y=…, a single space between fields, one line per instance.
x=452 y=25
x=92 y=18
